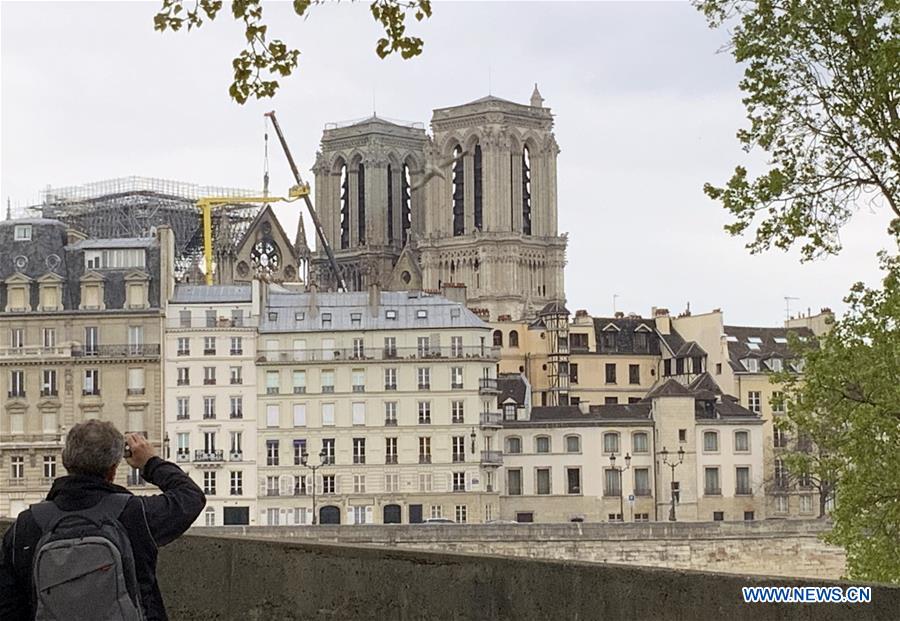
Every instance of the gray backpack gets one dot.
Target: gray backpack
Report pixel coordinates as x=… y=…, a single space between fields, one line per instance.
x=83 y=564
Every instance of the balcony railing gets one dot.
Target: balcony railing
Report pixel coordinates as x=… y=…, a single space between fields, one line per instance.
x=236 y=456
x=424 y=459
x=116 y=351
x=712 y=491
x=136 y=391
x=209 y=456
x=490 y=419
x=204 y=322
x=299 y=390
x=642 y=492
x=492 y=457
x=182 y=456
x=236 y=414
x=49 y=392
x=34 y=352
x=488 y=386
x=16 y=394
x=390 y=459
x=401 y=353
x=390 y=422
x=90 y=392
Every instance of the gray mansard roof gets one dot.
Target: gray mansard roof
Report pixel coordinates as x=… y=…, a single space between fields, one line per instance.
x=211 y=294
x=288 y=311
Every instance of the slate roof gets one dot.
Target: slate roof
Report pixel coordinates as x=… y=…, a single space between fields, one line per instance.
x=704 y=383
x=626 y=328
x=211 y=294
x=286 y=305
x=670 y=388
x=596 y=415
x=673 y=341
x=114 y=242
x=740 y=346
x=512 y=386
x=554 y=308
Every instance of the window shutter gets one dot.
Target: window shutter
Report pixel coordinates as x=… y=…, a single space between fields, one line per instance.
x=299 y=415
x=272 y=413
x=359 y=413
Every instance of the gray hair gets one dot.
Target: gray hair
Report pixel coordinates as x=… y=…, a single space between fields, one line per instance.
x=92 y=448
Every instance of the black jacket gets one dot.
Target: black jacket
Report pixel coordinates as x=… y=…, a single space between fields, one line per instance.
x=150 y=521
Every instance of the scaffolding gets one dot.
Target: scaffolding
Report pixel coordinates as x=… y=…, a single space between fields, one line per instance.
x=134 y=206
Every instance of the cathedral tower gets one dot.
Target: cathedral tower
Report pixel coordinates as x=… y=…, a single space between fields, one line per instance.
x=491 y=215
x=364 y=174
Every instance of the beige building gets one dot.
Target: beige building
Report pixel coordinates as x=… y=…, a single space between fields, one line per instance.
x=210 y=396
x=392 y=393
x=82 y=321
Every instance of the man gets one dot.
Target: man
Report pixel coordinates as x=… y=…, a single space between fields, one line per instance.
x=91 y=456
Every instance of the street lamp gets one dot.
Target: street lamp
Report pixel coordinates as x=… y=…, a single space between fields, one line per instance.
x=304 y=461
x=473 y=436
x=166 y=445
x=672 y=465
x=620 y=470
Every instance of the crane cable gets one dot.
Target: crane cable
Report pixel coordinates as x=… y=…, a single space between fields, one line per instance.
x=265 y=156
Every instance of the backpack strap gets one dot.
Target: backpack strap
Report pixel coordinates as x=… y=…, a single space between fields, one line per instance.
x=48 y=515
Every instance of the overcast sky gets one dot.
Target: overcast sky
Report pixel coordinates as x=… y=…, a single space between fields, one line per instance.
x=646 y=112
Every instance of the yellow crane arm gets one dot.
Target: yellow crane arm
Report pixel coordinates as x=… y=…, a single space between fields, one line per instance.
x=205 y=205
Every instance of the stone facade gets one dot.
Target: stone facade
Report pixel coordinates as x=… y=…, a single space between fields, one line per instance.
x=83 y=319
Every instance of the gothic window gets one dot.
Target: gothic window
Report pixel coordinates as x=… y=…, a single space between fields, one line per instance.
x=345 y=207
x=526 y=191
x=459 y=189
x=477 y=187
x=390 y=206
x=405 y=205
x=361 y=204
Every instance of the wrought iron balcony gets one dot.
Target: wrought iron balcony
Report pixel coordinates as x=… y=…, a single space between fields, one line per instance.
x=209 y=456
x=488 y=386
x=182 y=456
x=474 y=352
x=492 y=458
x=491 y=420
x=116 y=351
x=424 y=459
x=34 y=352
x=390 y=422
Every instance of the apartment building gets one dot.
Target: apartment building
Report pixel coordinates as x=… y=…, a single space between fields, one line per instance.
x=210 y=399
x=390 y=395
x=613 y=462
x=82 y=323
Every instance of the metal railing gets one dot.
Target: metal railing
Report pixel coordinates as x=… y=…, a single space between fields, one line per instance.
x=176 y=322
x=490 y=419
x=488 y=385
x=209 y=455
x=145 y=350
x=34 y=352
x=424 y=459
x=492 y=457
x=400 y=353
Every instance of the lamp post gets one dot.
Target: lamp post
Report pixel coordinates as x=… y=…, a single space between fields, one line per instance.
x=672 y=465
x=304 y=461
x=620 y=470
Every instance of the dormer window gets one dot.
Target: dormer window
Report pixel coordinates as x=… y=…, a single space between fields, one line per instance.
x=776 y=364
x=390 y=314
x=299 y=316
x=326 y=320
x=22 y=232
x=355 y=319
x=421 y=314
x=751 y=364
x=609 y=340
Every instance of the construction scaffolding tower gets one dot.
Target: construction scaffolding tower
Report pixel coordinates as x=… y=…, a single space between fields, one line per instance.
x=134 y=206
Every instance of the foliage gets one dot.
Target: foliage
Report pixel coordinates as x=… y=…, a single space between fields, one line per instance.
x=848 y=401
x=263 y=57
x=822 y=90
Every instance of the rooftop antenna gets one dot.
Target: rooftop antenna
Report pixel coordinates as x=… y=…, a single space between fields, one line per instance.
x=265 y=156
x=787 y=306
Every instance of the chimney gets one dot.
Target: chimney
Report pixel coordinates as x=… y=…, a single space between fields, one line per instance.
x=313 y=304
x=454 y=291
x=374 y=299
x=619 y=315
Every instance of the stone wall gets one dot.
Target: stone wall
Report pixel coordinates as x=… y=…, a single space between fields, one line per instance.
x=785 y=548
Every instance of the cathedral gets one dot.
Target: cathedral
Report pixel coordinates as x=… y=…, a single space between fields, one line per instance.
x=472 y=204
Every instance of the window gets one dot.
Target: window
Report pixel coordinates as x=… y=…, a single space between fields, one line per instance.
x=461 y=514
x=459 y=481
x=182 y=408
x=578 y=341
x=613 y=482
x=609 y=340
x=573 y=444
x=781 y=504
x=458 y=444
x=391 y=482
x=424 y=412
x=49 y=387
x=390 y=378
x=135 y=381
x=358 y=380
x=237 y=445
x=328 y=447
x=751 y=364
x=299 y=412
x=209 y=407
x=742 y=481
x=498 y=338
x=610 y=400
x=718 y=368
x=509 y=411
x=49 y=466
x=513 y=338
x=640 y=442
x=358 y=412
x=359 y=487
x=390 y=450
x=424 y=375
x=18 y=468
x=48 y=337
x=781 y=474
x=779 y=438
x=513 y=445
x=753 y=401
x=457 y=413
x=610 y=373
x=209 y=376
x=711 y=482
x=710 y=442
x=17 y=384
x=328 y=414
x=805 y=503
x=209 y=483
x=641 y=481
x=573 y=480
x=437 y=511
x=22 y=232
x=359 y=350
x=235 y=375
x=456 y=346
x=456 y=378
x=299 y=381
x=718 y=516
x=182 y=442
x=390 y=413
x=273 y=415
x=327 y=381
x=682 y=435
x=640 y=343
x=329 y=484
x=748 y=516
x=390 y=314
x=425 y=481
x=632 y=400
x=641 y=517
x=359 y=450
x=514 y=482
x=209 y=346
x=776 y=364
x=573 y=373
x=542 y=444
x=272 y=382
x=421 y=314
x=542 y=481
x=741 y=441
x=611 y=442
x=634 y=374
x=237 y=346
x=17 y=338
x=777 y=402
x=91 y=382
x=423 y=346
x=299 y=451
x=424 y=450
x=184 y=377
x=271 y=452
x=237 y=483
x=390 y=347
x=326 y=320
